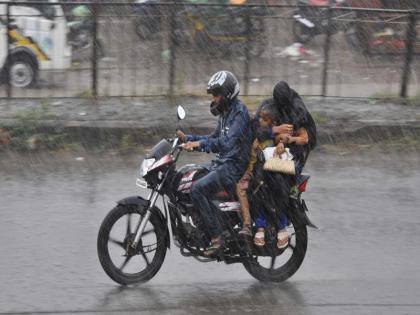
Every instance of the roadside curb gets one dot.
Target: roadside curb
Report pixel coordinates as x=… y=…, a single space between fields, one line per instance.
x=146 y=121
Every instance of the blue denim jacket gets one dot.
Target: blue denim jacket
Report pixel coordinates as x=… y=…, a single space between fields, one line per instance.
x=232 y=139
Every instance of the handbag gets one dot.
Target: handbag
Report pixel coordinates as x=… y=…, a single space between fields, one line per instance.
x=283 y=165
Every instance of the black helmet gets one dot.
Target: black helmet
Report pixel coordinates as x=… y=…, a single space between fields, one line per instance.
x=223 y=83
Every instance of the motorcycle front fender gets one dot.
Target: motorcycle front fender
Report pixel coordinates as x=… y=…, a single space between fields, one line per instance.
x=142 y=205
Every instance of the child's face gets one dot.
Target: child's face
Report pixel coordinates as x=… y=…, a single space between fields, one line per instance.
x=265 y=120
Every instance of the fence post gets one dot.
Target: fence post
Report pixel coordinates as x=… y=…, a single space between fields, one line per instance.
x=326 y=53
x=247 y=52
x=172 y=50
x=94 y=50
x=8 y=29
x=410 y=40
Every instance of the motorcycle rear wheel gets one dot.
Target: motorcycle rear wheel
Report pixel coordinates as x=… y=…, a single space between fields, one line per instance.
x=286 y=270
x=159 y=243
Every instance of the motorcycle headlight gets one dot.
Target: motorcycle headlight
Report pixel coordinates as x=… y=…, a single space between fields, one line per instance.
x=145 y=165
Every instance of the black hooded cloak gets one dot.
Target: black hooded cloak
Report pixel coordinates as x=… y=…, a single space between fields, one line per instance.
x=292 y=110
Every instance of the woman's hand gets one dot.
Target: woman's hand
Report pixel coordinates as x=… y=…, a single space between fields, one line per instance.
x=284 y=137
x=181 y=135
x=279 y=149
x=283 y=129
x=189 y=146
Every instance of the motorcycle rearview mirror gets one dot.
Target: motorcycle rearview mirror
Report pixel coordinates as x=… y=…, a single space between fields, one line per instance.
x=181 y=112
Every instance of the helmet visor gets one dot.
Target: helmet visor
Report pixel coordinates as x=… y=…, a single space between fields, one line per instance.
x=216 y=91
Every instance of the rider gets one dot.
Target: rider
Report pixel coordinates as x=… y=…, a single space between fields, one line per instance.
x=232 y=141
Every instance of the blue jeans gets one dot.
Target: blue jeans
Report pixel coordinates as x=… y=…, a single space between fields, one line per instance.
x=261 y=221
x=202 y=192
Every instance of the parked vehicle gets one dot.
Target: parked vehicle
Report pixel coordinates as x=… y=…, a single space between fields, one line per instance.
x=147 y=22
x=38 y=41
x=223 y=31
x=375 y=37
x=220 y=30
x=80 y=35
x=385 y=32
x=134 y=236
x=311 y=19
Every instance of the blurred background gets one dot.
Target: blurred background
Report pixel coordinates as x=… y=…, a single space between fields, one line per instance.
x=151 y=47
x=87 y=88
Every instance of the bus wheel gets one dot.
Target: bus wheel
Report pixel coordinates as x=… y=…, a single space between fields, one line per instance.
x=22 y=72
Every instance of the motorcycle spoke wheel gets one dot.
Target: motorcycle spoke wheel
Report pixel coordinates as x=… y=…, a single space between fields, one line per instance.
x=128 y=231
x=124 y=263
x=276 y=260
x=127 y=259
x=132 y=260
x=116 y=242
x=281 y=264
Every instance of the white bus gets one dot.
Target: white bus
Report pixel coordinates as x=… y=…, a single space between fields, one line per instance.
x=38 y=41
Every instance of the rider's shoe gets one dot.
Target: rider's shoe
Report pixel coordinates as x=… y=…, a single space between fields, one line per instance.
x=246 y=231
x=216 y=246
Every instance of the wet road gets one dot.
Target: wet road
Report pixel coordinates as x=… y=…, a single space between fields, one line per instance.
x=364 y=259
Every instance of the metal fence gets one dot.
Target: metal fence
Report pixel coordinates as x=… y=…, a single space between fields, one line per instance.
x=155 y=49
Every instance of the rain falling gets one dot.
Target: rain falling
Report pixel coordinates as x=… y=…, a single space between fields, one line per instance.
x=208 y=156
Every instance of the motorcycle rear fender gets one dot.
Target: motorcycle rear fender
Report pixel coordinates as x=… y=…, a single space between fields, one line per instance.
x=299 y=210
x=142 y=205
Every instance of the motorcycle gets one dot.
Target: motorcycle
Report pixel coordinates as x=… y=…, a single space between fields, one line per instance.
x=147 y=22
x=217 y=30
x=134 y=236
x=224 y=31
x=311 y=19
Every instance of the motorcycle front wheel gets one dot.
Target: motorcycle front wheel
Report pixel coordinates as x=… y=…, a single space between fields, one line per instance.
x=123 y=263
x=281 y=266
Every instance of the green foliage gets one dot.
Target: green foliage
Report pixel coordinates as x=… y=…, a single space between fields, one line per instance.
x=30 y=121
x=31 y=133
x=87 y=93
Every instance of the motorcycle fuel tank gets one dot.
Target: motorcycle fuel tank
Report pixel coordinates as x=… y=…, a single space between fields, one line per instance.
x=184 y=179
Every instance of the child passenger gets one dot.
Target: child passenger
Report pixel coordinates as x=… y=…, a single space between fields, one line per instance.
x=264 y=139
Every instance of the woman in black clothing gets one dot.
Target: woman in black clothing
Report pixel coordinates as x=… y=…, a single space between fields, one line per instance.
x=292 y=111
